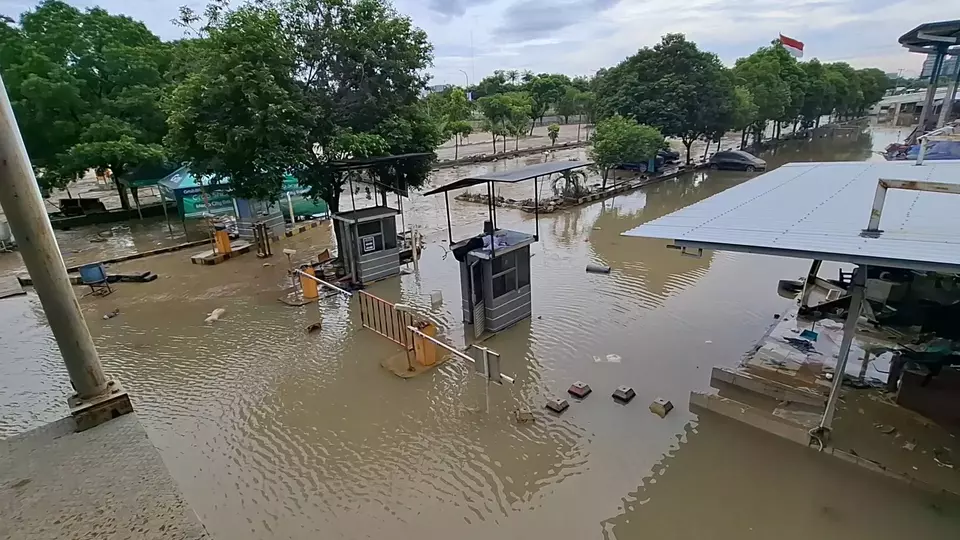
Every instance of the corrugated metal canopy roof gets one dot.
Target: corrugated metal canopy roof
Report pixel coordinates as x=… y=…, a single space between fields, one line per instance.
x=514 y=175
x=818 y=211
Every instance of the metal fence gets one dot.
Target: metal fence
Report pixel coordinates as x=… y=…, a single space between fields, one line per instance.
x=385 y=319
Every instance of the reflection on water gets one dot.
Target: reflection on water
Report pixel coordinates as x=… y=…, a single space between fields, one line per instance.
x=274 y=433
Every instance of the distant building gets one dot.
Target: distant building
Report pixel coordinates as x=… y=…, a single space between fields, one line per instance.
x=949 y=68
x=436 y=88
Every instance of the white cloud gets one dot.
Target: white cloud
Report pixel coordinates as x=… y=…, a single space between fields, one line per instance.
x=478 y=36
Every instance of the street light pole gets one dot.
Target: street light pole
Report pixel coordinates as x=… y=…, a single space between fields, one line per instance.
x=466 y=77
x=23 y=205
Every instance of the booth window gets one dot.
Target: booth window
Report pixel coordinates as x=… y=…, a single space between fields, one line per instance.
x=370 y=236
x=505 y=274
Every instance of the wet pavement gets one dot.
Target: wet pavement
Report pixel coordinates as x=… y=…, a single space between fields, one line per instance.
x=274 y=433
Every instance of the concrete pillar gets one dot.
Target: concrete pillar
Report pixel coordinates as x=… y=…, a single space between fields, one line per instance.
x=926 y=116
x=23 y=205
x=896 y=114
x=947 y=108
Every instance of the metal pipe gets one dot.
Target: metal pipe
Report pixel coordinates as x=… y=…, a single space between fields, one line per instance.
x=23 y=205
x=947 y=108
x=446 y=200
x=849 y=331
x=927 y=111
x=166 y=215
x=293 y=220
x=536 y=209
x=324 y=283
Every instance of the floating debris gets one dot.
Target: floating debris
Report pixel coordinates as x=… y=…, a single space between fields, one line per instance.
x=558 y=405
x=524 y=415
x=598 y=269
x=885 y=429
x=112 y=314
x=909 y=446
x=215 y=315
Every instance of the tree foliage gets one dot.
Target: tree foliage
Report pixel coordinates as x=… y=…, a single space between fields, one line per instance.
x=620 y=140
x=674 y=86
x=86 y=89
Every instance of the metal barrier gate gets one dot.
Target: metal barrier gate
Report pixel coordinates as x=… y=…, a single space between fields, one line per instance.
x=385 y=319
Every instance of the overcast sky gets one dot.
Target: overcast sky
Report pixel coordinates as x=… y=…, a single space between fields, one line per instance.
x=577 y=37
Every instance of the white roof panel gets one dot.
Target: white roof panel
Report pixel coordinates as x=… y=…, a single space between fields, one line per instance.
x=819 y=210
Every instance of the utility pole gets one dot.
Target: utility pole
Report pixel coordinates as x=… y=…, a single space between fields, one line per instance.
x=97 y=399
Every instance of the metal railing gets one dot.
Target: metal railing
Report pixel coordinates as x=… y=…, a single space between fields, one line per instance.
x=385 y=319
x=324 y=283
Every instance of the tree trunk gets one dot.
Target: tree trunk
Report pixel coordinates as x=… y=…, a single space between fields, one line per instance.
x=456 y=147
x=604 y=184
x=705 y=150
x=795 y=122
x=517 y=146
x=494 y=143
x=578 y=130
x=687 y=144
x=818 y=122
x=718 y=143
x=121 y=189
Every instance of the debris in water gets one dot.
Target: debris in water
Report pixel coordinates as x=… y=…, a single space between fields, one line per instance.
x=317 y=326
x=801 y=345
x=885 y=429
x=942 y=458
x=611 y=358
x=776 y=316
x=909 y=446
x=112 y=314
x=661 y=407
x=598 y=269
x=524 y=415
x=708 y=341
x=215 y=315
x=267 y=264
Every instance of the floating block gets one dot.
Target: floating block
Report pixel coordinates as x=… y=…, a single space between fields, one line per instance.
x=558 y=405
x=579 y=390
x=624 y=394
x=661 y=407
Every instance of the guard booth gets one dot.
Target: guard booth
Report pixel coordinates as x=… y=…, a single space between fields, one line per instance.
x=495 y=263
x=370 y=251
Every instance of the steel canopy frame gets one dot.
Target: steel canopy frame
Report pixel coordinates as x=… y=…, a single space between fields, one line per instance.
x=514 y=176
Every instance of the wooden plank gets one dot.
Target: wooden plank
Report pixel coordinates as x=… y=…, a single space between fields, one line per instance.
x=10 y=286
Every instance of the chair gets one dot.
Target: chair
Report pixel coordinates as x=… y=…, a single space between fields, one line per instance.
x=95 y=275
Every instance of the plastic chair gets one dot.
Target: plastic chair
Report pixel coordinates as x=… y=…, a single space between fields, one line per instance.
x=95 y=275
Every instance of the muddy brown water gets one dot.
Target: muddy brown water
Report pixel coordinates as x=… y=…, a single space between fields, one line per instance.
x=273 y=433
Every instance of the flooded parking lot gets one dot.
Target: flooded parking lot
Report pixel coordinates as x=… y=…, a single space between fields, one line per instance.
x=274 y=433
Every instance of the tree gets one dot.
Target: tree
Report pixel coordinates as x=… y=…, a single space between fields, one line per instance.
x=496 y=111
x=759 y=73
x=553 y=131
x=586 y=107
x=518 y=112
x=618 y=140
x=744 y=112
x=545 y=91
x=569 y=103
x=451 y=110
x=674 y=86
x=85 y=87
x=240 y=118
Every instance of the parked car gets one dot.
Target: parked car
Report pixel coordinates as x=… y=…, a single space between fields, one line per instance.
x=736 y=160
x=642 y=165
x=669 y=155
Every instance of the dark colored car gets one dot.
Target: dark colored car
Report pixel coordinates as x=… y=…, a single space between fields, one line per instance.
x=736 y=160
x=641 y=166
x=669 y=155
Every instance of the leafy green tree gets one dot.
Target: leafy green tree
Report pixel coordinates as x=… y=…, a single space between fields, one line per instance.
x=545 y=91
x=569 y=103
x=451 y=111
x=744 y=112
x=496 y=112
x=759 y=73
x=86 y=89
x=673 y=86
x=620 y=140
x=519 y=105
x=553 y=131
x=241 y=116
x=586 y=108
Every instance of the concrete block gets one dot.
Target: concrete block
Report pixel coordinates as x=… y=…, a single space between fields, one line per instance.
x=661 y=407
x=558 y=405
x=579 y=390
x=524 y=415
x=624 y=394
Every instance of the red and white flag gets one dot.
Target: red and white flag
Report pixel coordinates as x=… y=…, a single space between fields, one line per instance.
x=792 y=46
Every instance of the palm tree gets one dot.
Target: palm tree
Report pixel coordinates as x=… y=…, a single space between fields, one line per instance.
x=513 y=76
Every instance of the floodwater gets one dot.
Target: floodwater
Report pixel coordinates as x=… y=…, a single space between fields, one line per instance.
x=273 y=433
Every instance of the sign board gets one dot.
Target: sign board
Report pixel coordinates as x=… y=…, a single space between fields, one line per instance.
x=368 y=245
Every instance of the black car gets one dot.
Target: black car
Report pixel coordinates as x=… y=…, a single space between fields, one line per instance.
x=669 y=155
x=736 y=160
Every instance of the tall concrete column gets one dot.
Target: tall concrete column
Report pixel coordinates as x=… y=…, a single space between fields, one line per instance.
x=926 y=116
x=947 y=107
x=23 y=205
